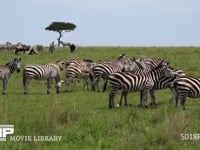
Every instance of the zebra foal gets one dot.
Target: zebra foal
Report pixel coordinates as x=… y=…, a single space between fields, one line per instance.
x=133 y=83
x=6 y=71
x=43 y=72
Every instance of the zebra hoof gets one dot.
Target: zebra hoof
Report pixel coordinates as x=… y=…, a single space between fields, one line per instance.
x=3 y=93
x=25 y=93
x=48 y=92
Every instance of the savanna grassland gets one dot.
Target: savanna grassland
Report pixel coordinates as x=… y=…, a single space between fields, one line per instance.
x=82 y=117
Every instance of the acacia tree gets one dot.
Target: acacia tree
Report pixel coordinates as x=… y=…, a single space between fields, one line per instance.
x=61 y=27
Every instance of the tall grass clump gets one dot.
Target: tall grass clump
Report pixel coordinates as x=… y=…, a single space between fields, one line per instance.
x=55 y=115
x=178 y=123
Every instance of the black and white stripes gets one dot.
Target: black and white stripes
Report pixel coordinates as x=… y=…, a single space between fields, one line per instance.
x=132 y=83
x=104 y=69
x=42 y=72
x=184 y=87
x=78 y=70
x=7 y=70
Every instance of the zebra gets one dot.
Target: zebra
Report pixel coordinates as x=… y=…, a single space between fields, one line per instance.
x=133 y=83
x=51 y=47
x=7 y=70
x=43 y=72
x=147 y=65
x=104 y=69
x=184 y=87
x=78 y=69
x=164 y=83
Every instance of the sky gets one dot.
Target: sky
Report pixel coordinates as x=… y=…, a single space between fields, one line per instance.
x=103 y=22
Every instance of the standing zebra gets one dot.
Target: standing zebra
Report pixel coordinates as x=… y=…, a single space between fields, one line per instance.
x=184 y=87
x=43 y=72
x=165 y=82
x=7 y=70
x=133 y=83
x=104 y=69
x=51 y=47
x=78 y=69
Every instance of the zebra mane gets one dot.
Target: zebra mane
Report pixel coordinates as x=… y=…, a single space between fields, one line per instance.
x=122 y=55
x=161 y=64
x=87 y=60
x=9 y=63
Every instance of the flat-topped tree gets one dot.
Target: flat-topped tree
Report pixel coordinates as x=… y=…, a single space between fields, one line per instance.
x=61 y=27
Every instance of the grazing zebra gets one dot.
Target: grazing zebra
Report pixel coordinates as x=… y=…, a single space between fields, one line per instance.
x=104 y=69
x=42 y=72
x=7 y=70
x=78 y=69
x=184 y=87
x=133 y=83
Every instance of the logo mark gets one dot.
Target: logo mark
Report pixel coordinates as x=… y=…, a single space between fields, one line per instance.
x=5 y=130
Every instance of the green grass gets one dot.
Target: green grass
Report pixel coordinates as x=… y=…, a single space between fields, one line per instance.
x=83 y=119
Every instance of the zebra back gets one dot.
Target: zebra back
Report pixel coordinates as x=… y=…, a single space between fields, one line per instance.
x=133 y=82
x=46 y=71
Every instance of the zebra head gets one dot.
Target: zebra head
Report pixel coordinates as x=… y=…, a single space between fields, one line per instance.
x=16 y=64
x=135 y=65
x=60 y=64
x=168 y=71
x=123 y=59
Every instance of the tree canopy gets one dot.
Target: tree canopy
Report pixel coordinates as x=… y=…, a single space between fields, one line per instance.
x=61 y=27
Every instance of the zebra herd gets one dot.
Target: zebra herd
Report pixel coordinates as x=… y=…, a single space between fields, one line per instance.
x=143 y=75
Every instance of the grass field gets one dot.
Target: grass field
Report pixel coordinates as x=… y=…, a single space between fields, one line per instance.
x=83 y=119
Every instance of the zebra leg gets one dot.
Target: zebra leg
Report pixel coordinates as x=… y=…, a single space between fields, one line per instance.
x=153 y=97
x=125 y=98
x=85 y=80
x=25 y=84
x=121 y=98
x=123 y=94
x=5 y=81
x=172 y=99
x=177 y=96
x=111 y=98
x=87 y=83
x=49 y=81
x=143 y=100
x=57 y=87
x=97 y=84
x=173 y=96
x=182 y=100
x=68 y=80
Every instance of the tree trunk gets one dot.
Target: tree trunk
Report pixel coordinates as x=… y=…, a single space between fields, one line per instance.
x=60 y=35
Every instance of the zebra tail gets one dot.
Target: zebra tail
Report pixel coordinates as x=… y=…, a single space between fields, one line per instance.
x=24 y=78
x=105 y=84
